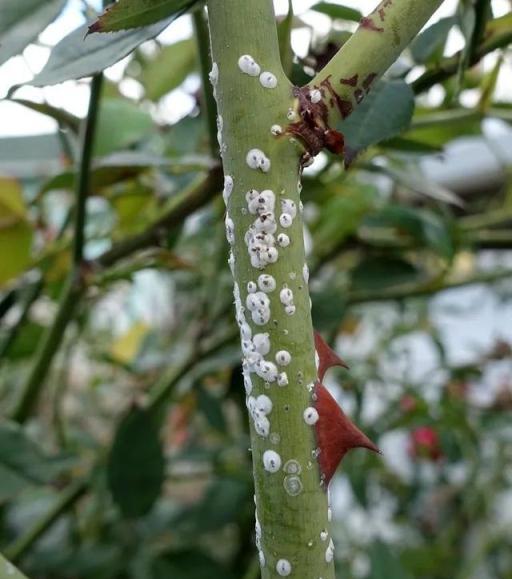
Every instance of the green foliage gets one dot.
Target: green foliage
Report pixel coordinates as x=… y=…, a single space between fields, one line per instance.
x=75 y=56
x=136 y=464
x=384 y=113
x=21 y=21
x=129 y=14
x=337 y=11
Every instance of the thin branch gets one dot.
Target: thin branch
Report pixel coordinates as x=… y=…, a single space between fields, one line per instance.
x=449 y=66
x=84 y=173
x=203 y=49
x=406 y=291
x=179 y=208
x=65 y=501
x=370 y=51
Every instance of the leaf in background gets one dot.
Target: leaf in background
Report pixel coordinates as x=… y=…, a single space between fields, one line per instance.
x=126 y=348
x=429 y=45
x=21 y=21
x=22 y=463
x=127 y=14
x=189 y=564
x=121 y=123
x=337 y=11
x=375 y=272
x=15 y=231
x=421 y=225
x=169 y=68
x=75 y=56
x=342 y=214
x=136 y=464
x=489 y=82
x=284 y=32
x=385 y=112
x=223 y=503
x=63 y=117
x=384 y=563
x=211 y=406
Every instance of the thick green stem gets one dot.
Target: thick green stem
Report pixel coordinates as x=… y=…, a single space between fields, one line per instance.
x=371 y=50
x=292 y=507
x=8 y=570
x=64 y=502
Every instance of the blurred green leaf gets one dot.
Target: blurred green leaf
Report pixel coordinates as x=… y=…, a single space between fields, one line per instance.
x=284 y=32
x=15 y=231
x=188 y=564
x=169 y=68
x=429 y=44
x=337 y=11
x=21 y=21
x=76 y=56
x=136 y=464
x=129 y=14
x=384 y=113
x=63 y=117
x=22 y=463
x=223 y=503
x=211 y=407
x=383 y=271
x=121 y=123
x=385 y=564
x=416 y=224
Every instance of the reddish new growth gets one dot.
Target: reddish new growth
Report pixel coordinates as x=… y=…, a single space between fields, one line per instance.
x=336 y=434
x=313 y=128
x=367 y=22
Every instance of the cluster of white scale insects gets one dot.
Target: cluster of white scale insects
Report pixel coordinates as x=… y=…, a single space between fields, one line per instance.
x=265 y=239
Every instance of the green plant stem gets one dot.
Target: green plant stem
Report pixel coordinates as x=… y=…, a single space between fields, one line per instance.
x=289 y=520
x=406 y=291
x=203 y=49
x=84 y=170
x=47 y=348
x=449 y=66
x=8 y=570
x=178 y=209
x=370 y=51
x=74 y=286
x=65 y=501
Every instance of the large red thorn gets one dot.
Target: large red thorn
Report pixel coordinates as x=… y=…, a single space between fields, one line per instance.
x=336 y=434
x=328 y=358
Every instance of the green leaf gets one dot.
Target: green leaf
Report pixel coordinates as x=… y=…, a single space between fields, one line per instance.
x=15 y=231
x=63 y=117
x=21 y=21
x=383 y=272
x=429 y=45
x=136 y=464
x=169 y=69
x=127 y=14
x=385 y=112
x=121 y=123
x=284 y=32
x=385 y=564
x=421 y=225
x=188 y=564
x=337 y=11
x=22 y=463
x=75 y=56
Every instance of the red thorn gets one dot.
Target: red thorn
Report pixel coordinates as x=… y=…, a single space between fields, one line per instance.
x=328 y=358
x=94 y=27
x=336 y=434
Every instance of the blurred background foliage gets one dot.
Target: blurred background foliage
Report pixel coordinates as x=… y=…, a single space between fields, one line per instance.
x=135 y=462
